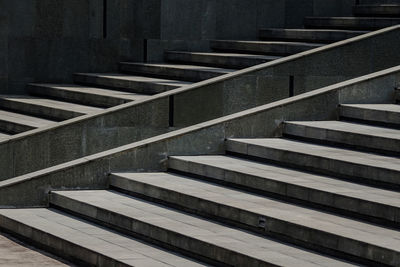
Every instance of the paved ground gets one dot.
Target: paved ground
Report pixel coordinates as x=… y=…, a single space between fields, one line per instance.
x=14 y=253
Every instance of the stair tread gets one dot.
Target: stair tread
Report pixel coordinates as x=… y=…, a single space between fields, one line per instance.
x=201 y=229
x=296 y=177
x=51 y=103
x=95 y=238
x=328 y=152
x=378 y=107
x=27 y=120
x=215 y=54
x=94 y=91
x=4 y=136
x=316 y=30
x=313 y=45
x=322 y=221
x=134 y=78
x=349 y=127
x=355 y=18
x=183 y=67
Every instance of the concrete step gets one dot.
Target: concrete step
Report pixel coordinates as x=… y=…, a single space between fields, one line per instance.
x=84 y=95
x=397 y=95
x=308 y=35
x=129 y=83
x=181 y=72
x=354 y=200
x=83 y=242
x=202 y=238
x=350 y=23
x=15 y=253
x=44 y=108
x=221 y=60
x=344 y=163
x=275 y=48
x=386 y=10
x=382 y=114
x=308 y=227
x=4 y=136
x=14 y=123
x=354 y=135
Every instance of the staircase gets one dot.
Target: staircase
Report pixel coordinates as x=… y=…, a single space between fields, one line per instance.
x=324 y=194
x=47 y=104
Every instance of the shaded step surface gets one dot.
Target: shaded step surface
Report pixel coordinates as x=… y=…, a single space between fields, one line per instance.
x=346 y=133
x=174 y=71
x=135 y=84
x=355 y=23
x=183 y=231
x=262 y=47
x=380 y=113
x=84 y=95
x=397 y=95
x=308 y=35
x=281 y=219
x=224 y=60
x=14 y=123
x=15 y=253
x=389 y=10
x=349 y=164
x=359 y=200
x=45 y=108
x=85 y=242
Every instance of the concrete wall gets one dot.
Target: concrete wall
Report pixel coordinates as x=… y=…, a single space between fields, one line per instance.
x=187 y=25
x=48 y=40
x=206 y=138
x=86 y=135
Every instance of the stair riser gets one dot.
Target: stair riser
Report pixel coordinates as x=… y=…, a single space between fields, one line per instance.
x=354 y=207
x=385 y=118
x=267 y=49
x=58 y=246
x=39 y=111
x=154 y=234
x=14 y=128
x=285 y=231
x=397 y=96
x=346 y=170
x=76 y=97
x=222 y=62
x=169 y=73
x=319 y=37
x=129 y=86
x=363 y=142
x=373 y=24
x=381 y=11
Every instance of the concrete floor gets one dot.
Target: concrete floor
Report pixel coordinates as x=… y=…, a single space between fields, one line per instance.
x=15 y=253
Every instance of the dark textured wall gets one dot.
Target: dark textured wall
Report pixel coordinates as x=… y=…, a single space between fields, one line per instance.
x=48 y=40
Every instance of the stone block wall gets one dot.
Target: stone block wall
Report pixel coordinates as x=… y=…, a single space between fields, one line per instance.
x=49 y=40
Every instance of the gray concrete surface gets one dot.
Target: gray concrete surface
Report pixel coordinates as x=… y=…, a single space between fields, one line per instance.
x=13 y=253
x=47 y=41
x=196 y=103
x=381 y=139
x=87 y=243
x=290 y=184
x=179 y=230
x=320 y=158
x=282 y=221
x=205 y=138
x=384 y=113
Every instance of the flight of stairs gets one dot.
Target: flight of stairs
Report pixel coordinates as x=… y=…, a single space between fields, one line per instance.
x=327 y=193
x=47 y=104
